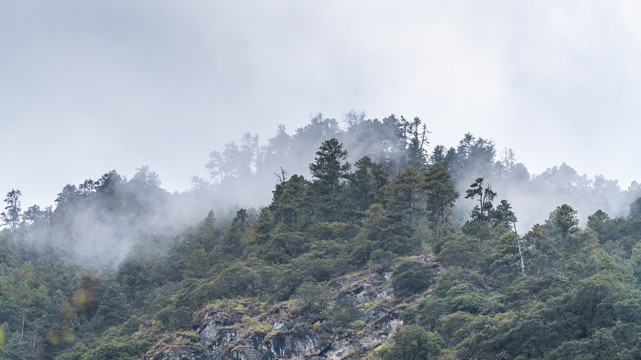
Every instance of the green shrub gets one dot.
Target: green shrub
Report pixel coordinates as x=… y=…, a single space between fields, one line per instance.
x=411 y=277
x=430 y=310
x=382 y=260
x=463 y=251
x=413 y=343
x=313 y=297
x=465 y=297
x=343 y=312
x=119 y=348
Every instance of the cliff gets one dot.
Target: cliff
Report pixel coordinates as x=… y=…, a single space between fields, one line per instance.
x=245 y=329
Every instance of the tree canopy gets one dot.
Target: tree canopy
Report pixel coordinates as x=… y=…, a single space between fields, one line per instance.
x=121 y=266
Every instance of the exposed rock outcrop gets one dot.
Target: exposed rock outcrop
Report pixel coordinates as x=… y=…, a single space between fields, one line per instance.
x=244 y=330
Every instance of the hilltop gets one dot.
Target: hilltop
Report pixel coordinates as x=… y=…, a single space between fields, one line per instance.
x=395 y=254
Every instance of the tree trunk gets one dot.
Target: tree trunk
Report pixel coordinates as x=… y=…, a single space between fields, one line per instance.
x=22 y=331
x=436 y=228
x=518 y=244
x=35 y=337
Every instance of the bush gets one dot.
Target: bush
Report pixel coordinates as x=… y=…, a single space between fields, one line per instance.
x=333 y=231
x=454 y=277
x=343 y=312
x=174 y=318
x=326 y=259
x=410 y=277
x=465 y=297
x=430 y=310
x=238 y=280
x=382 y=260
x=413 y=343
x=463 y=251
x=119 y=348
x=361 y=249
x=285 y=246
x=313 y=297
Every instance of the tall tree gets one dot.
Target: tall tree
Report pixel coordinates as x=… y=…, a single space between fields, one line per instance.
x=229 y=245
x=12 y=215
x=291 y=203
x=440 y=194
x=330 y=166
x=87 y=187
x=108 y=183
x=330 y=169
x=565 y=220
x=33 y=214
x=276 y=154
x=233 y=162
x=600 y=222
x=145 y=179
x=416 y=135
x=403 y=196
x=66 y=203
x=438 y=155
x=366 y=182
x=485 y=197
x=503 y=215
x=305 y=139
x=635 y=209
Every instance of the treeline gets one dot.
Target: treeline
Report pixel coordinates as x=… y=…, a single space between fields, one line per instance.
x=394 y=142
x=245 y=172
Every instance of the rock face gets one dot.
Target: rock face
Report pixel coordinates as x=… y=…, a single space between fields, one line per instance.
x=225 y=335
x=243 y=330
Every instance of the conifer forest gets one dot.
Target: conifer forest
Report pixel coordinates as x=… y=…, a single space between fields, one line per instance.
x=358 y=239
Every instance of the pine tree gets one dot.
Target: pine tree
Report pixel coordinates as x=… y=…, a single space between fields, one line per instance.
x=481 y=212
x=565 y=220
x=440 y=197
x=330 y=170
x=330 y=167
x=12 y=215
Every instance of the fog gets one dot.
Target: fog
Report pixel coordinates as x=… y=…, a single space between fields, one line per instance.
x=93 y=86
x=105 y=218
x=533 y=195
x=88 y=87
x=125 y=123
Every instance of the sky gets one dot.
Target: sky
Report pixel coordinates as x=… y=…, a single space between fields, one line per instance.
x=91 y=86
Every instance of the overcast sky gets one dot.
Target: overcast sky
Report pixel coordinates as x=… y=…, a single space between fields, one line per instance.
x=91 y=86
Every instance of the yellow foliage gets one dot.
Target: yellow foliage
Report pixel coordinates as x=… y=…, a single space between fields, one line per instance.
x=67 y=311
x=83 y=299
x=64 y=335
x=157 y=325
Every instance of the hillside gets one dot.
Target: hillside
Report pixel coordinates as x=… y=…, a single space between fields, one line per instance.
x=363 y=315
x=395 y=254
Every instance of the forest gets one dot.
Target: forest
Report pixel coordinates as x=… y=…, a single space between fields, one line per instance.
x=484 y=260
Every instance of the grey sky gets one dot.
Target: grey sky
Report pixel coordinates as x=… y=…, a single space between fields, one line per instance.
x=90 y=86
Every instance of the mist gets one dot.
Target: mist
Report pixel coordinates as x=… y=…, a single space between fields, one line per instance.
x=85 y=82
x=102 y=221
x=533 y=196
x=143 y=130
